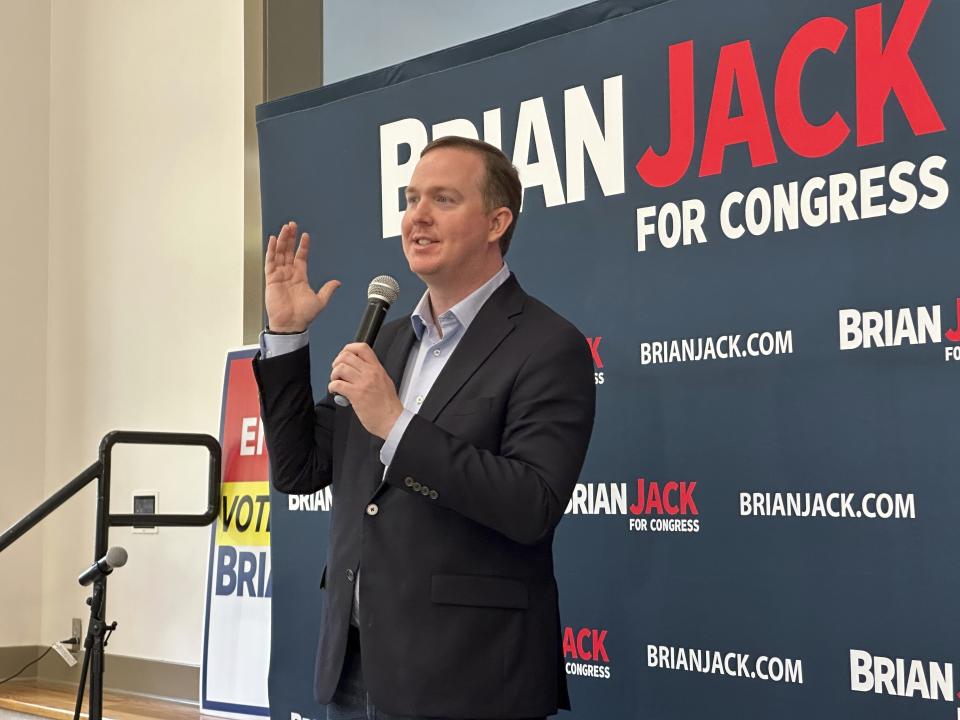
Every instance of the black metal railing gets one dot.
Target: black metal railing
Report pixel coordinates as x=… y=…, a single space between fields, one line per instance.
x=97 y=630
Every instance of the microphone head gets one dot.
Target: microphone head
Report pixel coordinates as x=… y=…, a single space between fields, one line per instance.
x=383 y=287
x=116 y=556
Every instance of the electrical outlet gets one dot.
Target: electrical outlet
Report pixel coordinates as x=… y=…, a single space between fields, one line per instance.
x=77 y=630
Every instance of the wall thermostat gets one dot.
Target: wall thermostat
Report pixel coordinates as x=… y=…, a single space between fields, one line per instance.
x=145 y=502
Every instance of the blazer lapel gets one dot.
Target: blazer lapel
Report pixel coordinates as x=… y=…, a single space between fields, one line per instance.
x=396 y=356
x=394 y=361
x=489 y=328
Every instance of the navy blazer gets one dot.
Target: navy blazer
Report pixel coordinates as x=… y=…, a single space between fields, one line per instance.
x=458 y=602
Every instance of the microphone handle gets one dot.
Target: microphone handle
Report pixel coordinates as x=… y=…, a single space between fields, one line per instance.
x=367 y=332
x=371 y=321
x=100 y=567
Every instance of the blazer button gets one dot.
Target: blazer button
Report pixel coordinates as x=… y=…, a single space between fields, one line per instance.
x=424 y=490
x=372 y=509
x=416 y=486
x=350 y=575
x=433 y=495
x=408 y=481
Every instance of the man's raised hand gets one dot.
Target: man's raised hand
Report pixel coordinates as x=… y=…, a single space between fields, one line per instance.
x=290 y=302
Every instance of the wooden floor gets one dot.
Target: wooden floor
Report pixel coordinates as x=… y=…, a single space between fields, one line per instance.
x=57 y=703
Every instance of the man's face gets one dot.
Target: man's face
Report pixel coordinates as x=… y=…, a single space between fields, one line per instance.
x=446 y=230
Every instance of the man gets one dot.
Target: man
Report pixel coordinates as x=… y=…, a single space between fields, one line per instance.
x=466 y=431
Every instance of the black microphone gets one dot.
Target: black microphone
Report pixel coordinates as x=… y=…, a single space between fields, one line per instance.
x=381 y=294
x=115 y=557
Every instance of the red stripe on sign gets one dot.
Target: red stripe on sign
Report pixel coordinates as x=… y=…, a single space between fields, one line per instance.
x=244 y=449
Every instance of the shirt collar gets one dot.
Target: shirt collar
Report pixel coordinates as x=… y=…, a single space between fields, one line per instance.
x=463 y=312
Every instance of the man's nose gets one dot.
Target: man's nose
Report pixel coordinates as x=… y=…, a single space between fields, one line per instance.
x=420 y=213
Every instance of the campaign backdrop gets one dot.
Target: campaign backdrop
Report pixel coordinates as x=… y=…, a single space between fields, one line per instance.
x=749 y=208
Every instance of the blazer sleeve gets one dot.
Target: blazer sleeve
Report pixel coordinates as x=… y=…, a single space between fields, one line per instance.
x=523 y=490
x=299 y=434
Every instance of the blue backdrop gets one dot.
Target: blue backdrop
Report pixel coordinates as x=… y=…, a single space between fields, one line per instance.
x=766 y=521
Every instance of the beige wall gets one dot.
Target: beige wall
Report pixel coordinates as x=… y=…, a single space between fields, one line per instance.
x=24 y=180
x=137 y=293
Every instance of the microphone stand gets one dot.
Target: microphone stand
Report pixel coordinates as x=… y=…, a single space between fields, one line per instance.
x=98 y=635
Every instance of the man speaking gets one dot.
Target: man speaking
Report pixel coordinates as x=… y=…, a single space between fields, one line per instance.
x=450 y=467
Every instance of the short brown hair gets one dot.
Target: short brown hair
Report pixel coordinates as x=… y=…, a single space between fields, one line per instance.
x=501 y=187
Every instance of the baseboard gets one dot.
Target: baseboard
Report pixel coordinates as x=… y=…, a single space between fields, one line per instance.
x=139 y=676
x=14 y=658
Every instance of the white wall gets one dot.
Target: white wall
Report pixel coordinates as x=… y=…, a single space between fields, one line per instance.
x=24 y=179
x=145 y=287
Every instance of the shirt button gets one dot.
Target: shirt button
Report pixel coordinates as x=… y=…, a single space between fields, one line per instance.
x=372 y=509
x=350 y=575
x=419 y=399
x=436 y=353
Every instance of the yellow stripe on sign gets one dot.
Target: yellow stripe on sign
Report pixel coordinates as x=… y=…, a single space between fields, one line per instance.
x=244 y=514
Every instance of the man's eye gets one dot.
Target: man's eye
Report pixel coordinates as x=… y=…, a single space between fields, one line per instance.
x=411 y=200
x=444 y=199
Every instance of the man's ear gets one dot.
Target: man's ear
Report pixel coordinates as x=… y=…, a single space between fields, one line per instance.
x=500 y=220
